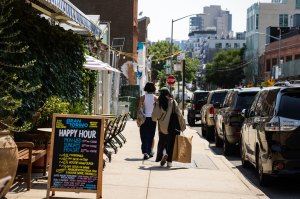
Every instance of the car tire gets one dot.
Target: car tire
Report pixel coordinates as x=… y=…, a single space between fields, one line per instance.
x=218 y=141
x=264 y=179
x=245 y=163
x=203 y=131
x=210 y=133
x=226 y=146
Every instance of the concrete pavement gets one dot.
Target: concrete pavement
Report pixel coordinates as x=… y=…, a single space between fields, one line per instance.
x=129 y=177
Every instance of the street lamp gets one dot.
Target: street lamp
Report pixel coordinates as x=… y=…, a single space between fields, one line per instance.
x=183 y=61
x=171 y=42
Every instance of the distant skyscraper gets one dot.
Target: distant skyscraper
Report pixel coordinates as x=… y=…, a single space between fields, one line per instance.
x=213 y=18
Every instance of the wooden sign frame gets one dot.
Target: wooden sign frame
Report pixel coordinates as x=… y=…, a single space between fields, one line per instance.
x=98 y=191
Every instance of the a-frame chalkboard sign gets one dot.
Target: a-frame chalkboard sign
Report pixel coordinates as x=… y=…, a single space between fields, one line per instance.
x=76 y=154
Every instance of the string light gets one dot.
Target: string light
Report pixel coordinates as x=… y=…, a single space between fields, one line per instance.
x=134 y=55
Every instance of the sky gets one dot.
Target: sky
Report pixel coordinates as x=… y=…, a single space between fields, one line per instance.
x=161 y=13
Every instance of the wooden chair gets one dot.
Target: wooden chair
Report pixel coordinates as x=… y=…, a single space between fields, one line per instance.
x=28 y=153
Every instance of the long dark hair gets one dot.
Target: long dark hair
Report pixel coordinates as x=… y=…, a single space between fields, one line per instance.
x=163 y=100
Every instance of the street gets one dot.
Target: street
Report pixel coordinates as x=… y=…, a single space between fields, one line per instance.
x=279 y=188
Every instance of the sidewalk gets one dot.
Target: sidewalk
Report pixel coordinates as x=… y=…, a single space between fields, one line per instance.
x=129 y=177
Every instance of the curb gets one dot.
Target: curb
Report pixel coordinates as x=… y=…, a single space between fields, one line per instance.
x=233 y=169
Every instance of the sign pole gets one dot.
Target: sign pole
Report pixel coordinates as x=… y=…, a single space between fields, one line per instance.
x=183 y=85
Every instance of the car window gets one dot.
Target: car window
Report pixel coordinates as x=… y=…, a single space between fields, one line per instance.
x=253 y=106
x=227 y=99
x=244 y=100
x=218 y=97
x=199 y=96
x=258 y=108
x=269 y=103
x=289 y=105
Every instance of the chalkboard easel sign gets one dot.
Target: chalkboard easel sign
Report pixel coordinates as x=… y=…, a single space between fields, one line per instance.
x=76 y=154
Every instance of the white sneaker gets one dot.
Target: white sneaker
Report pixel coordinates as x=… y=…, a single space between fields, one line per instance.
x=169 y=164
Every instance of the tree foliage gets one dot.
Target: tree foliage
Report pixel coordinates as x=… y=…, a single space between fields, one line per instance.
x=226 y=69
x=14 y=59
x=58 y=69
x=160 y=52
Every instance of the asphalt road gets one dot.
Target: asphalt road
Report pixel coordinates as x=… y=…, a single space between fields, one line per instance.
x=279 y=188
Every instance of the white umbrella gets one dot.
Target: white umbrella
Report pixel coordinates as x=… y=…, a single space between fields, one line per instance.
x=95 y=64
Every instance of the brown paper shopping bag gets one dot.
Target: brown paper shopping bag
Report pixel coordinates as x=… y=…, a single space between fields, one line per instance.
x=182 y=151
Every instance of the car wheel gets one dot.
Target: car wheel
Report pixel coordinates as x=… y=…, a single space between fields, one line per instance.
x=218 y=141
x=262 y=177
x=210 y=133
x=226 y=146
x=203 y=131
x=245 y=163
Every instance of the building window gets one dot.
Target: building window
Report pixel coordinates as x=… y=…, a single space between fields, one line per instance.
x=288 y=58
x=297 y=56
x=256 y=22
x=218 y=45
x=283 y=20
x=268 y=67
x=228 y=45
x=274 y=61
x=297 y=4
x=237 y=45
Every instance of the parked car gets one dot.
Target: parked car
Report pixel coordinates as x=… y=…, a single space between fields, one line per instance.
x=214 y=100
x=294 y=82
x=282 y=83
x=198 y=99
x=270 y=134
x=228 y=120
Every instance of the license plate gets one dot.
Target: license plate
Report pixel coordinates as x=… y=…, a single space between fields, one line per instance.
x=197 y=115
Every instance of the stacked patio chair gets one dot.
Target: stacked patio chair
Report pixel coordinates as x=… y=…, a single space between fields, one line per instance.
x=113 y=137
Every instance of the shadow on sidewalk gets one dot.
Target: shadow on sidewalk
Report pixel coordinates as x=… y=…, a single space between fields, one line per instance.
x=160 y=168
x=133 y=159
x=19 y=187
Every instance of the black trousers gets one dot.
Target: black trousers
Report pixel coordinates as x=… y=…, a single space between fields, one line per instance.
x=166 y=141
x=147 y=132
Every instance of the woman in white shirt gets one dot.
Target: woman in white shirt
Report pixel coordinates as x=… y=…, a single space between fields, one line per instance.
x=147 y=129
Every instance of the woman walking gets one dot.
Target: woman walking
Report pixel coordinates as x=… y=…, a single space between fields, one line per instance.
x=161 y=113
x=147 y=129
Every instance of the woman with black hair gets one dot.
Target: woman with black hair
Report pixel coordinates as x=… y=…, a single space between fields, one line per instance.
x=147 y=129
x=161 y=113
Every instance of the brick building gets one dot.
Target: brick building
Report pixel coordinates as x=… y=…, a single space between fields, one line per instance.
x=122 y=16
x=143 y=29
x=288 y=48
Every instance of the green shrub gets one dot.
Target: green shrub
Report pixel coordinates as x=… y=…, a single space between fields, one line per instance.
x=53 y=105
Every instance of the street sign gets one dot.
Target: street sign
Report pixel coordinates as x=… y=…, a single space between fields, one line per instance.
x=171 y=80
x=166 y=66
x=181 y=56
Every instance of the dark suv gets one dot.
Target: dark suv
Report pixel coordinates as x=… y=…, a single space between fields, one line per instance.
x=228 y=120
x=270 y=134
x=198 y=99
